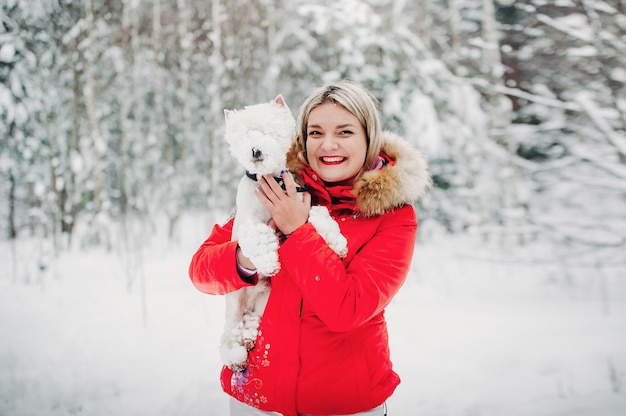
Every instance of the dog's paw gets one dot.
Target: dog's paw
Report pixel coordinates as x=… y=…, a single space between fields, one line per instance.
x=237 y=358
x=234 y=356
x=259 y=243
x=238 y=341
x=328 y=229
x=250 y=330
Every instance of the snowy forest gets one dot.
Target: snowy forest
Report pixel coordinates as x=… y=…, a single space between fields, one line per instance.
x=112 y=110
x=111 y=130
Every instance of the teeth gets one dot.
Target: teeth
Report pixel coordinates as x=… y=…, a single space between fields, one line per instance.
x=332 y=159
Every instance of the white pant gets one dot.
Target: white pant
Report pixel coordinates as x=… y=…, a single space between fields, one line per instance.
x=238 y=408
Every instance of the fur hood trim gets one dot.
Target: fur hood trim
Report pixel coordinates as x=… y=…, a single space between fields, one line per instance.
x=382 y=190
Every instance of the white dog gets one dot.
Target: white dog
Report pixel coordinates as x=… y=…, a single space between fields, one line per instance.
x=259 y=137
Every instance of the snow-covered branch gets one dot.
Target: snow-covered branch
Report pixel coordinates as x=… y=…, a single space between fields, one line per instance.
x=574 y=25
x=515 y=92
x=589 y=107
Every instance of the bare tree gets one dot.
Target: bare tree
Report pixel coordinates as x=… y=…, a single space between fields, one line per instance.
x=98 y=146
x=214 y=90
x=500 y=117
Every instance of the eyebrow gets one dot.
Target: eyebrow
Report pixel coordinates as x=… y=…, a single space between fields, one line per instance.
x=341 y=126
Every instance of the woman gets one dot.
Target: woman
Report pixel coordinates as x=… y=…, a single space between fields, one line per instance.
x=322 y=347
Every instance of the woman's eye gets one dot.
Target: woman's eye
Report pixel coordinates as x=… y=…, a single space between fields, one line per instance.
x=314 y=133
x=345 y=133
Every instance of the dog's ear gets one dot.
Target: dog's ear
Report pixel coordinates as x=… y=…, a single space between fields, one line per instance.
x=228 y=113
x=280 y=100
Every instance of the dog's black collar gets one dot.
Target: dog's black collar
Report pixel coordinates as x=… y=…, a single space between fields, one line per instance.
x=279 y=180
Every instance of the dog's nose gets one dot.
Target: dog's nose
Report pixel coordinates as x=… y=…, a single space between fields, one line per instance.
x=256 y=153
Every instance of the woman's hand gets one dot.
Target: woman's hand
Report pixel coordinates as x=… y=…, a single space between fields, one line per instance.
x=287 y=210
x=244 y=261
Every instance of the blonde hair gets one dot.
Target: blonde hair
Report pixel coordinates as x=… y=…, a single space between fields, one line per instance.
x=358 y=101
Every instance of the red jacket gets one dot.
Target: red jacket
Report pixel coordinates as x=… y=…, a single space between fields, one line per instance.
x=322 y=346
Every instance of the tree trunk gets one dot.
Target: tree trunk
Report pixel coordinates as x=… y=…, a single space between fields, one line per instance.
x=185 y=42
x=177 y=149
x=455 y=33
x=127 y=199
x=12 y=228
x=97 y=142
x=74 y=151
x=138 y=102
x=501 y=115
x=216 y=108
x=159 y=91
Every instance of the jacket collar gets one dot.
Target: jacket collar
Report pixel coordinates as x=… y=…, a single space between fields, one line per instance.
x=403 y=180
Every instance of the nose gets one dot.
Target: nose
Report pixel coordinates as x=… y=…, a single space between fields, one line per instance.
x=329 y=142
x=256 y=153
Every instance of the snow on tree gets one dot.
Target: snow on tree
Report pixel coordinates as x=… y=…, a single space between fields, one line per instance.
x=114 y=110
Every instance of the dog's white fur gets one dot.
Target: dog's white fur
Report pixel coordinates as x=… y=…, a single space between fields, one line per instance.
x=259 y=137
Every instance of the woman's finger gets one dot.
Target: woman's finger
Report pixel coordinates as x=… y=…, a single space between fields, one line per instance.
x=290 y=185
x=273 y=187
x=265 y=192
x=262 y=195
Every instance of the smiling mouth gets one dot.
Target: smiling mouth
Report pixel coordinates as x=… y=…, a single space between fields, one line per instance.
x=332 y=160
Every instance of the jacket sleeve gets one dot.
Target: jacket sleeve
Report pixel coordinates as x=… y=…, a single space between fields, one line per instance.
x=346 y=297
x=213 y=267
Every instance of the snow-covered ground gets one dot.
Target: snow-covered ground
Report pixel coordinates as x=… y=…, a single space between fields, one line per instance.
x=100 y=333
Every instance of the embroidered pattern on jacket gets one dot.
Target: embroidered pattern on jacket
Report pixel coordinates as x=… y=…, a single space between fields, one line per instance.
x=244 y=386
